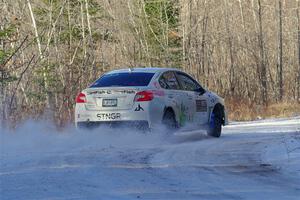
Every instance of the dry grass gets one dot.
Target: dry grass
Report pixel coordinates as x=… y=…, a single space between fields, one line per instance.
x=242 y=110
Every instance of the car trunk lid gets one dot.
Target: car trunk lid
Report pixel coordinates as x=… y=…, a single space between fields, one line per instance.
x=110 y=98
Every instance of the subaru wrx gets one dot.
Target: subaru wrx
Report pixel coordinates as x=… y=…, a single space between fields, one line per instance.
x=149 y=98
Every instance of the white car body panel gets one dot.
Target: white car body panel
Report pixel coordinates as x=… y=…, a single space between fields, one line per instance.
x=191 y=109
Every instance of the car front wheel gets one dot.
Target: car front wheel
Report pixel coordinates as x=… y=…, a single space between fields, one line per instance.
x=215 y=125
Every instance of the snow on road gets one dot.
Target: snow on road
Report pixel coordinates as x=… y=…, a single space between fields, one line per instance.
x=253 y=160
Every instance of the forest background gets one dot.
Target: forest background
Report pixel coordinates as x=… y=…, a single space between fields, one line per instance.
x=247 y=51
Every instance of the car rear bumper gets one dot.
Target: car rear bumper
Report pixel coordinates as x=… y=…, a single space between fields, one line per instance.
x=112 y=118
x=140 y=125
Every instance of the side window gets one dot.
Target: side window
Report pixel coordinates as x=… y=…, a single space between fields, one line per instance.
x=187 y=82
x=168 y=81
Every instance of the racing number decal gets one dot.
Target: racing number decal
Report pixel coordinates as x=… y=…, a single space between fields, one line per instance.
x=201 y=106
x=113 y=116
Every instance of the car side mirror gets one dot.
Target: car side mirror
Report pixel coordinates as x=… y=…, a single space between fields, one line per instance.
x=200 y=90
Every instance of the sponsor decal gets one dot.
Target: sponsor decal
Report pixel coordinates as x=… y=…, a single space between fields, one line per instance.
x=112 y=91
x=126 y=91
x=201 y=106
x=139 y=108
x=213 y=100
x=106 y=116
x=98 y=92
x=183 y=114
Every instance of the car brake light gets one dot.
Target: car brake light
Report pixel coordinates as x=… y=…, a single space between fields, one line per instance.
x=81 y=98
x=144 y=96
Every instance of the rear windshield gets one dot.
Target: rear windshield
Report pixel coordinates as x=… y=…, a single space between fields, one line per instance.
x=123 y=79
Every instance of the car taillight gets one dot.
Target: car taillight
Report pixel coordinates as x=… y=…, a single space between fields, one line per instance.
x=144 y=96
x=81 y=98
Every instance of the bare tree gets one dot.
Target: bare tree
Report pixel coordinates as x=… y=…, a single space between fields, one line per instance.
x=262 y=68
x=280 y=51
x=298 y=45
x=233 y=47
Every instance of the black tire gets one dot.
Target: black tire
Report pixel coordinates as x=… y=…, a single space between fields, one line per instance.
x=169 y=121
x=215 y=125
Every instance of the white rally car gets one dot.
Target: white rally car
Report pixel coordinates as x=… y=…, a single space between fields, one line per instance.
x=149 y=98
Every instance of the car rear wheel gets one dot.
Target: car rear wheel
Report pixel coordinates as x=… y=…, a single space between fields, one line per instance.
x=169 y=120
x=215 y=125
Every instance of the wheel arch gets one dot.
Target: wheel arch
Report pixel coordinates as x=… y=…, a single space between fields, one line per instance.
x=170 y=108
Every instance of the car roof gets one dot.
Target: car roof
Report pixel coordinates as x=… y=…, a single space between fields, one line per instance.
x=143 y=69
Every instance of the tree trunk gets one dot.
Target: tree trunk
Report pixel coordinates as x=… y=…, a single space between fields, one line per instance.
x=2 y=99
x=88 y=17
x=83 y=30
x=45 y=75
x=230 y=46
x=280 y=52
x=35 y=29
x=298 y=44
x=263 y=68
